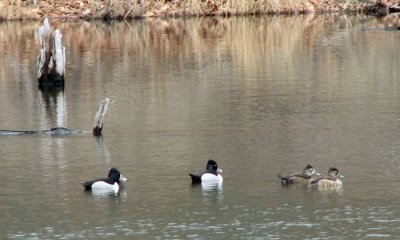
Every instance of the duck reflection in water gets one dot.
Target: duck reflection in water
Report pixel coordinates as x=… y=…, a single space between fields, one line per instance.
x=211 y=192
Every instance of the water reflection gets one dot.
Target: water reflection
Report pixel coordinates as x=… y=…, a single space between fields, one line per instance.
x=209 y=193
x=102 y=150
x=52 y=151
x=100 y=193
x=212 y=191
x=53 y=109
x=264 y=93
x=327 y=189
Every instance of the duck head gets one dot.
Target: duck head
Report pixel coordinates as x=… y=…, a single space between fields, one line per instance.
x=333 y=172
x=309 y=170
x=115 y=176
x=212 y=167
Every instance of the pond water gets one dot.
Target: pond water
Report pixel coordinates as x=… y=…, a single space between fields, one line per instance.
x=260 y=95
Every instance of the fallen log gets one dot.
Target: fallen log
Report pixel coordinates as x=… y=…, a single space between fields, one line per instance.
x=62 y=131
x=51 y=59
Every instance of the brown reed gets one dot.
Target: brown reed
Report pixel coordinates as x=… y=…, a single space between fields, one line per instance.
x=128 y=9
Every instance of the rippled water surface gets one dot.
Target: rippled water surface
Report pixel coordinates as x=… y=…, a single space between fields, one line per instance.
x=261 y=96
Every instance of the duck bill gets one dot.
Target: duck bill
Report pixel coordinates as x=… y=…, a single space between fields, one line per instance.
x=317 y=174
x=219 y=170
x=122 y=179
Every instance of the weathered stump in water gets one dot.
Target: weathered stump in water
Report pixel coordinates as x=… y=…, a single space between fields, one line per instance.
x=51 y=59
x=99 y=117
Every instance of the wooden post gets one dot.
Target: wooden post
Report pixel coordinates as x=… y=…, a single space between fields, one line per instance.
x=99 y=117
x=51 y=59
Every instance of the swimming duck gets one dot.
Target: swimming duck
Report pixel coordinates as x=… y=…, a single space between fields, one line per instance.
x=110 y=183
x=332 y=180
x=209 y=175
x=305 y=177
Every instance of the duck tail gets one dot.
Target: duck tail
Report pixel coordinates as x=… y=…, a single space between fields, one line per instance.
x=87 y=185
x=195 y=178
x=284 y=180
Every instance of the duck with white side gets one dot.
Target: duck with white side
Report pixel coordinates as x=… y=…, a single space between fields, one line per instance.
x=110 y=183
x=211 y=175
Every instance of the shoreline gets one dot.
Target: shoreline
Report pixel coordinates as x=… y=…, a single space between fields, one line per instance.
x=137 y=9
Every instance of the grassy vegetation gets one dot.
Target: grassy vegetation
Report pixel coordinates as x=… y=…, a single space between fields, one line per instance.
x=125 y=9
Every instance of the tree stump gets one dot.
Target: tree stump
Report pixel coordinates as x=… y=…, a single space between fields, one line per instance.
x=51 y=59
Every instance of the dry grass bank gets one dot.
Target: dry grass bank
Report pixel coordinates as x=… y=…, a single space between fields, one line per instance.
x=126 y=9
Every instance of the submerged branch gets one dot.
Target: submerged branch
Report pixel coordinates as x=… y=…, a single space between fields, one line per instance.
x=62 y=131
